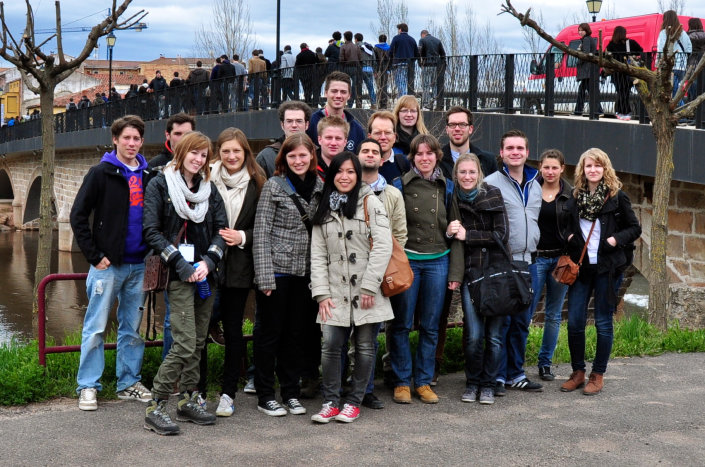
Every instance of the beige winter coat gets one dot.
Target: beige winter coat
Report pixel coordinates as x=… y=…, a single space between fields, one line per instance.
x=334 y=275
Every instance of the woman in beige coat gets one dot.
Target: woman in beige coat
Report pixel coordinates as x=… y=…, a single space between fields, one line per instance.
x=345 y=280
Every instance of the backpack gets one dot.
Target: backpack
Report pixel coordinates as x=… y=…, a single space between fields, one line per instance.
x=72 y=106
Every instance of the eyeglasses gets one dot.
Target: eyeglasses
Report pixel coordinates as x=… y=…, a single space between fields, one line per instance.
x=408 y=111
x=291 y=122
x=461 y=125
x=377 y=134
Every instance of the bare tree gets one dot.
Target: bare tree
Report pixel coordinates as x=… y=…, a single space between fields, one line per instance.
x=534 y=44
x=477 y=38
x=677 y=5
x=655 y=89
x=389 y=14
x=228 y=30
x=47 y=70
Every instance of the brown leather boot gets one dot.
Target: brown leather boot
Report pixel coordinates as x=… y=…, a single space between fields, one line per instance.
x=594 y=385
x=576 y=380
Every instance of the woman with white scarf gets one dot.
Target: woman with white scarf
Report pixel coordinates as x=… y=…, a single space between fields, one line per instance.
x=239 y=181
x=183 y=217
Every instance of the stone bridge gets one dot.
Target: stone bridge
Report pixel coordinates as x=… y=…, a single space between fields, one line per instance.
x=631 y=147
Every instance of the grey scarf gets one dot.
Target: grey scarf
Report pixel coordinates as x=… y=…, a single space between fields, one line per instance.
x=181 y=195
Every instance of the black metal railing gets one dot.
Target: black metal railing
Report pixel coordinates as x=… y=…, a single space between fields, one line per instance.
x=487 y=83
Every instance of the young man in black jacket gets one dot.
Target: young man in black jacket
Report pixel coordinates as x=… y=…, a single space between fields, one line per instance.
x=112 y=192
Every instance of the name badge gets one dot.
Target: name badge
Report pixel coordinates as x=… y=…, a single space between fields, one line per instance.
x=187 y=251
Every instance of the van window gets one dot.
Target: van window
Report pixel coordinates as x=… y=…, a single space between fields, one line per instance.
x=573 y=61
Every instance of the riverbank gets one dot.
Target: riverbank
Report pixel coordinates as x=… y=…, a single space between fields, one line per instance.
x=646 y=415
x=23 y=380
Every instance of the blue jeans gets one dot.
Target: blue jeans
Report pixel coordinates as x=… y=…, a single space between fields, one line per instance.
x=429 y=78
x=430 y=283
x=483 y=347
x=167 y=340
x=590 y=283
x=678 y=76
x=553 y=305
x=401 y=76
x=369 y=80
x=123 y=282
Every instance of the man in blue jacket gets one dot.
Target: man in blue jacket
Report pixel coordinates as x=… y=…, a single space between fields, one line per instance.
x=403 y=51
x=112 y=192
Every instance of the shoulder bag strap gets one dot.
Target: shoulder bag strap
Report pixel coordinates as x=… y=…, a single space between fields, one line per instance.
x=367 y=219
x=294 y=199
x=582 y=254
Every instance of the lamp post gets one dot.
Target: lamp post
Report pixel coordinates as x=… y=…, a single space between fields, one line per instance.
x=593 y=7
x=110 y=40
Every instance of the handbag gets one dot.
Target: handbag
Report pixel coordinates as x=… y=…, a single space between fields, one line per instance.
x=501 y=288
x=398 y=276
x=156 y=274
x=566 y=271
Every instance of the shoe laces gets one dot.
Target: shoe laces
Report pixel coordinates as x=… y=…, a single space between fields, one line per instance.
x=160 y=411
x=272 y=405
x=195 y=404
x=327 y=409
x=348 y=410
x=293 y=403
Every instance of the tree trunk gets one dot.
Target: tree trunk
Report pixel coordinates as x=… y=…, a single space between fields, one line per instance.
x=664 y=129
x=46 y=224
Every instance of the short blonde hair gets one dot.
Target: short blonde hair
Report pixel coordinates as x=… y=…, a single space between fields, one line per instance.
x=609 y=175
x=469 y=156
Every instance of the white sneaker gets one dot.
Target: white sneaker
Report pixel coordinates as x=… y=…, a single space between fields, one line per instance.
x=136 y=392
x=87 y=399
x=226 y=407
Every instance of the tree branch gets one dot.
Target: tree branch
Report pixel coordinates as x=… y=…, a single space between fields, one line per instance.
x=59 y=37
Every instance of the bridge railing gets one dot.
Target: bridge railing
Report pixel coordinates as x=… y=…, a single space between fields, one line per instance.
x=510 y=83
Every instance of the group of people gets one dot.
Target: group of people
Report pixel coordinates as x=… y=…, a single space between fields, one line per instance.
x=689 y=47
x=309 y=225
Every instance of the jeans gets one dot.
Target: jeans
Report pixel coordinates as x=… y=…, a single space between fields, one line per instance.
x=103 y=286
x=583 y=88
x=483 y=347
x=430 y=84
x=553 y=305
x=335 y=338
x=430 y=283
x=401 y=75
x=189 y=325
x=590 y=283
x=232 y=308
x=678 y=76
x=369 y=80
x=168 y=340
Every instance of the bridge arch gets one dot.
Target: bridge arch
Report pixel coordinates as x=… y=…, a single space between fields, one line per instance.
x=6 y=191
x=32 y=201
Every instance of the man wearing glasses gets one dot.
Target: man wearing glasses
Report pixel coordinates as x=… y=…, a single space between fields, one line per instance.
x=294 y=117
x=459 y=128
x=381 y=126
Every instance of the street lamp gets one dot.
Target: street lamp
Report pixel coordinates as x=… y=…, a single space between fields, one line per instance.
x=110 y=40
x=593 y=7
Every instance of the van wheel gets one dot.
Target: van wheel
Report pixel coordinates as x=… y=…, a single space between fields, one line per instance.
x=531 y=106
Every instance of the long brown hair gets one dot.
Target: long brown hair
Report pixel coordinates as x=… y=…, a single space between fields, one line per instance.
x=670 y=20
x=291 y=143
x=608 y=175
x=253 y=168
x=193 y=141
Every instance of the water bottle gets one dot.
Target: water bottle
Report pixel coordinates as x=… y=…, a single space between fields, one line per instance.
x=204 y=290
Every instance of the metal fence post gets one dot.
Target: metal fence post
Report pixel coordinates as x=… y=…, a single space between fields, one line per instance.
x=509 y=84
x=548 y=107
x=472 y=91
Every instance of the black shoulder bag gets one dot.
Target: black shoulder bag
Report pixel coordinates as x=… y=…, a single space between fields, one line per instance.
x=501 y=288
x=292 y=194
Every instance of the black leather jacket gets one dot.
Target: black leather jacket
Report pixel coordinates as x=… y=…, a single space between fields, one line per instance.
x=161 y=225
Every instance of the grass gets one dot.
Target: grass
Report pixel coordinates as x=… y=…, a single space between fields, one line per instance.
x=23 y=380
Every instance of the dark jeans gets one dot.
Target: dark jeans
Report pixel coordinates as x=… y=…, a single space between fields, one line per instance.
x=584 y=88
x=232 y=308
x=623 y=86
x=590 y=283
x=483 y=346
x=279 y=335
x=335 y=339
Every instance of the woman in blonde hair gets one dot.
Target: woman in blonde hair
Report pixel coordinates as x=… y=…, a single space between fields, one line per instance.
x=409 y=123
x=604 y=225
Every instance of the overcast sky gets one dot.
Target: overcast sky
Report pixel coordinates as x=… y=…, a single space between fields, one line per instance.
x=172 y=23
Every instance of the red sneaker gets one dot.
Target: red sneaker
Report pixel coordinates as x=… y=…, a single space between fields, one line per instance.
x=328 y=412
x=348 y=414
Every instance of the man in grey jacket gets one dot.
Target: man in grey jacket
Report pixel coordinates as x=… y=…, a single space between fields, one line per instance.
x=522 y=199
x=433 y=57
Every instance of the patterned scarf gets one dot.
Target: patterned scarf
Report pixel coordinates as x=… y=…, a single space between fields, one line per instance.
x=432 y=178
x=590 y=205
x=379 y=185
x=337 y=200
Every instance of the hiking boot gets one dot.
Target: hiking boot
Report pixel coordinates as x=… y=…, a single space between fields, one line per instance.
x=372 y=402
x=87 y=399
x=226 y=407
x=328 y=412
x=526 y=385
x=546 y=374
x=576 y=380
x=295 y=407
x=158 y=420
x=470 y=394
x=136 y=392
x=189 y=410
x=309 y=387
x=594 y=385
x=487 y=396
x=271 y=408
x=499 y=389
x=349 y=414
x=250 y=386
x=427 y=395
x=402 y=395
x=202 y=401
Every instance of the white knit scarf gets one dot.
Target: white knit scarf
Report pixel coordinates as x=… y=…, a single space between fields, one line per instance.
x=232 y=189
x=180 y=194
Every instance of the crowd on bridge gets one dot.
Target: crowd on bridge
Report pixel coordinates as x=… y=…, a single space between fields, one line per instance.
x=310 y=224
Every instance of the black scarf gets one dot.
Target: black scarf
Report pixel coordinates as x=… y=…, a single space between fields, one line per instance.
x=590 y=205
x=303 y=187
